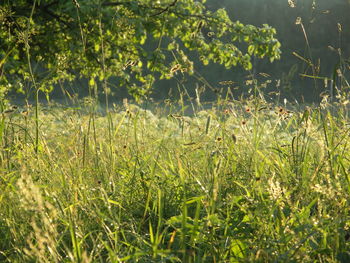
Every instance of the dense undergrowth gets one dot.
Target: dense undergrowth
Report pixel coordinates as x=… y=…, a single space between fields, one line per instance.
x=240 y=182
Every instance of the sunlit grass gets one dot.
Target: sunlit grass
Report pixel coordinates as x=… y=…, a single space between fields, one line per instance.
x=240 y=182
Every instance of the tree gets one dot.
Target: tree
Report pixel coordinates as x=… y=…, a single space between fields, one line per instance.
x=43 y=42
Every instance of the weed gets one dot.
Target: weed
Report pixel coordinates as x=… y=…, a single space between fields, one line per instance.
x=242 y=184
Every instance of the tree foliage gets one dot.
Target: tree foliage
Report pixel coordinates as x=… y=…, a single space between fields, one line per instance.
x=134 y=42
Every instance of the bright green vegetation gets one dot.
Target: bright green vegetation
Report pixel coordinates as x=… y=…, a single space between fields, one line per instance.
x=241 y=182
x=129 y=43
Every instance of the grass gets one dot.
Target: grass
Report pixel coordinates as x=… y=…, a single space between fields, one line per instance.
x=240 y=182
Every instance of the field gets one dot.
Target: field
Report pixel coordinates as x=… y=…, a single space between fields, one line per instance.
x=236 y=182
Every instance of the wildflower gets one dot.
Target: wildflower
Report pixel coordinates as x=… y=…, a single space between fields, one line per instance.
x=25 y=112
x=275 y=189
x=291 y=3
x=227 y=111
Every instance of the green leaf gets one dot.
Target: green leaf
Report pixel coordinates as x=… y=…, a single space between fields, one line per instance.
x=92 y=82
x=251 y=49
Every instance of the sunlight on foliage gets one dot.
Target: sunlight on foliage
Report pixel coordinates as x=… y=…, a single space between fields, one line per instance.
x=133 y=42
x=240 y=181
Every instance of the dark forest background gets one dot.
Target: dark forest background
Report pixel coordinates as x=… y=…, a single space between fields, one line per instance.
x=327 y=27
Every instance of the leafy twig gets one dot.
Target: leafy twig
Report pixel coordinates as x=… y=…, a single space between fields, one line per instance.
x=165 y=9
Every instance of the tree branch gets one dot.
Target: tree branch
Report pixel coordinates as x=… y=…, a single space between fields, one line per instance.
x=165 y=9
x=46 y=10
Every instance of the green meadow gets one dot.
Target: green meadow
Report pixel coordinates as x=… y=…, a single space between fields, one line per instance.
x=236 y=182
x=258 y=175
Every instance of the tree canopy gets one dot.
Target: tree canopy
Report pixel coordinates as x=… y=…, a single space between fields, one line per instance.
x=134 y=42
